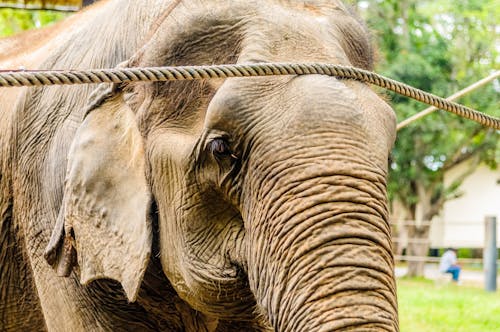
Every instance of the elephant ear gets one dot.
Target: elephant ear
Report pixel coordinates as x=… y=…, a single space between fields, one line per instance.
x=104 y=215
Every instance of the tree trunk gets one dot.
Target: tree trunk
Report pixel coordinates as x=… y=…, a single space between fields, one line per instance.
x=418 y=246
x=419 y=229
x=398 y=216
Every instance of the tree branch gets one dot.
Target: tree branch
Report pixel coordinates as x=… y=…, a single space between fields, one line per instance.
x=459 y=157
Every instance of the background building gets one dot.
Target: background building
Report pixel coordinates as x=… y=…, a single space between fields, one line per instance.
x=461 y=222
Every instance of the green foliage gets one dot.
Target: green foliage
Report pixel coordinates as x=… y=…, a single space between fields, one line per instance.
x=450 y=308
x=13 y=21
x=465 y=253
x=438 y=46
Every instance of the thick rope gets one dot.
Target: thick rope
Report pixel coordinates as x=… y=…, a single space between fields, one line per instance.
x=119 y=75
x=454 y=96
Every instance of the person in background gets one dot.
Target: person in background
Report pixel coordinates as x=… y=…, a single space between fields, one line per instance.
x=448 y=263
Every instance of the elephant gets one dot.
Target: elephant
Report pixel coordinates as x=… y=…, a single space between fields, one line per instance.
x=212 y=205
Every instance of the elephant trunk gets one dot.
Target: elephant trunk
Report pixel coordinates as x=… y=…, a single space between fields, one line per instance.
x=322 y=258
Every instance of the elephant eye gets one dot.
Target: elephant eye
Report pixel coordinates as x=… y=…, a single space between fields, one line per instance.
x=219 y=147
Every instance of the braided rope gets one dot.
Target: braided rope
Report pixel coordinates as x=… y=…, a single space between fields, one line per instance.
x=119 y=75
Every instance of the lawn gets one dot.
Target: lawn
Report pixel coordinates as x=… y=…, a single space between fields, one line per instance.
x=424 y=306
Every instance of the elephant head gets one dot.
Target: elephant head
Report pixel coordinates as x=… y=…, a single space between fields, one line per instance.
x=269 y=194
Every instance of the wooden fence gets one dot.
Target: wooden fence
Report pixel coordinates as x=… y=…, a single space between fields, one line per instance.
x=398 y=242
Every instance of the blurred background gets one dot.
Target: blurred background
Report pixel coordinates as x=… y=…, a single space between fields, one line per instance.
x=444 y=179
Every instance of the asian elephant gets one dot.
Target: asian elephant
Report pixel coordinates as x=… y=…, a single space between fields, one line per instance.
x=211 y=205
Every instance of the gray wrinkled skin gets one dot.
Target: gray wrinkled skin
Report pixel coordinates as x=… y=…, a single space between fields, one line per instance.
x=245 y=204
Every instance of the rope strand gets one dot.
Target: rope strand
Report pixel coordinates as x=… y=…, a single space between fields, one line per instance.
x=152 y=74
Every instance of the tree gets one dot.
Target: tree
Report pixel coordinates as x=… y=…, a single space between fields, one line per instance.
x=64 y=5
x=438 y=46
x=13 y=21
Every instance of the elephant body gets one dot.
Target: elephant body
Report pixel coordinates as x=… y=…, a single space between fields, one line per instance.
x=218 y=205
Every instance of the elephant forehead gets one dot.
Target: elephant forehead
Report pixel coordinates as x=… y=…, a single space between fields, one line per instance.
x=241 y=101
x=292 y=103
x=291 y=36
x=322 y=98
x=311 y=31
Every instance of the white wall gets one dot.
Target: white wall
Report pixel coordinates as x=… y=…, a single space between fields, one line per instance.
x=461 y=223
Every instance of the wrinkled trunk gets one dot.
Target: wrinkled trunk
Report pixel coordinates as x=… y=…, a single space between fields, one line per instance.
x=323 y=258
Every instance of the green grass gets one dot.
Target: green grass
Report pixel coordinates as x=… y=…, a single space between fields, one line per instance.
x=424 y=306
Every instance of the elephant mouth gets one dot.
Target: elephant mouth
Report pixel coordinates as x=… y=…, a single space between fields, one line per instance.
x=222 y=293
x=217 y=289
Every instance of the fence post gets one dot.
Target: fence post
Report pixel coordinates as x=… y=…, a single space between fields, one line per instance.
x=490 y=254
